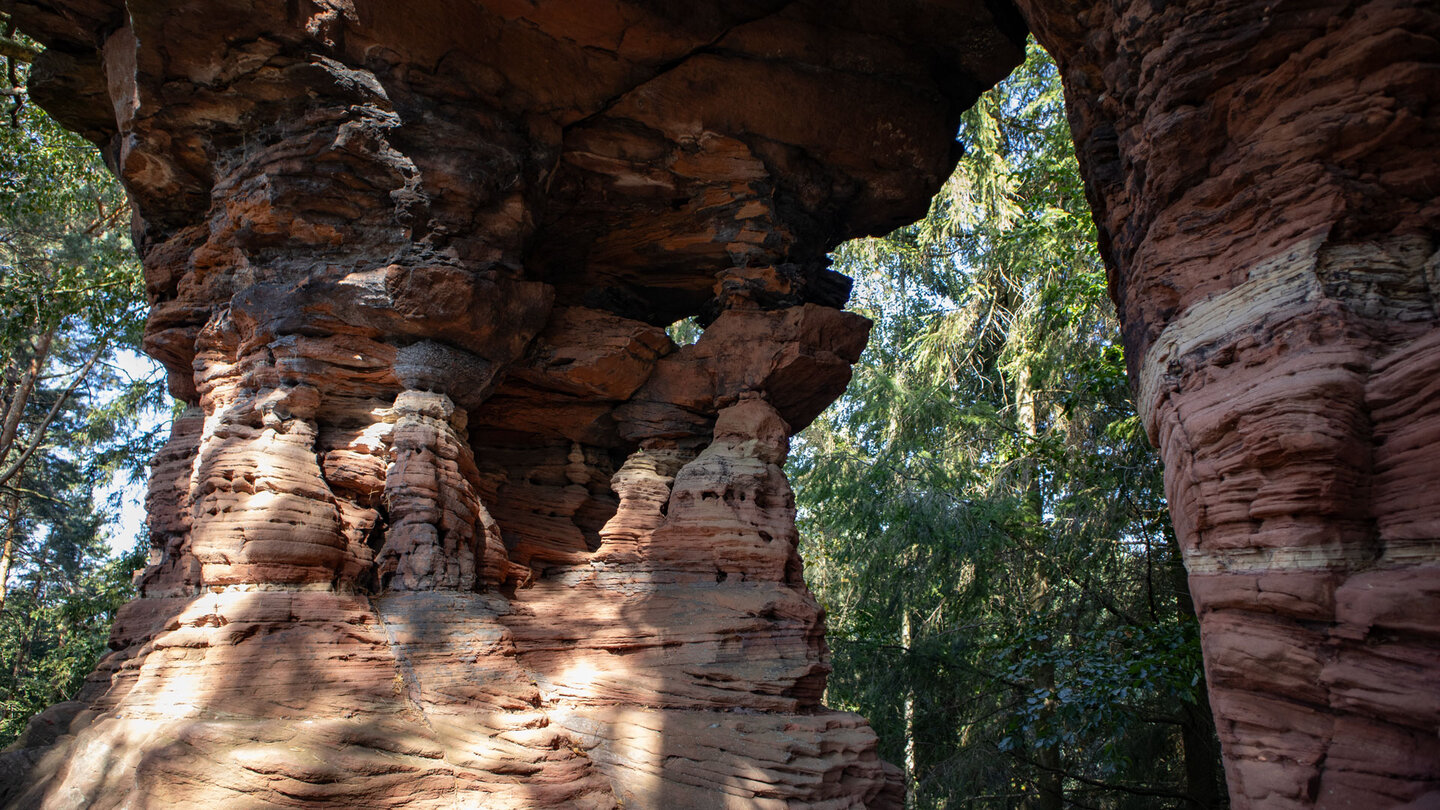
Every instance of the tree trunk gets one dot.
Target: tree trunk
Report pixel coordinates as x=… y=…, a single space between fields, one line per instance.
x=7 y=556
x=912 y=776
x=1204 y=777
x=1050 y=780
x=16 y=404
x=22 y=654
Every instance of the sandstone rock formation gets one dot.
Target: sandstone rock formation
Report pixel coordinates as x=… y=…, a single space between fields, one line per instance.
x=450 y=521
x=1265 y=178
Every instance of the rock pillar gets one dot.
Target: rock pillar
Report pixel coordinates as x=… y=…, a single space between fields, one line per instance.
x=450 y=521
x=1265 y=181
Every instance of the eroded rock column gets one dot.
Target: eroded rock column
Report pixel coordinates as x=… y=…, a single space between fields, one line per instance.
x=450 y=521
x=1265 y=180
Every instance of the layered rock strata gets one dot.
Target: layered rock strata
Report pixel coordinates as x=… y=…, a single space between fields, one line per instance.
x=450 y=520
x=1265 y=180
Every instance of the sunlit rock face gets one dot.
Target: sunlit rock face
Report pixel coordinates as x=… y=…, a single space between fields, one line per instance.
x=1265 y=177
x=450 y=521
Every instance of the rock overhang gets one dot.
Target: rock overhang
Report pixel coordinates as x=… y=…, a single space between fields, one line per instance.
x=624 y=152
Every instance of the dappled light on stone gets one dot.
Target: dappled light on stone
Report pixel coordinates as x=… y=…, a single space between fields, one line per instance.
x=449 y=519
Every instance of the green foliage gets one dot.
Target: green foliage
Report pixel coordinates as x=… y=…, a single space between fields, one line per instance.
x=57 y=618
x=71 y=292
x=64 y=245
x=72 y=305
x=984 y=520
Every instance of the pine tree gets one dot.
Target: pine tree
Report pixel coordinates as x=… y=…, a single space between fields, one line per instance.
x=72 y=307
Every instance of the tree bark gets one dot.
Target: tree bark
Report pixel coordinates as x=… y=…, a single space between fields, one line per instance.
x=7 y=556
x=38 y=434
x=12 y=49
x=912 y=775
x=15 y=405
x=1203 y=773
x=1050 y=781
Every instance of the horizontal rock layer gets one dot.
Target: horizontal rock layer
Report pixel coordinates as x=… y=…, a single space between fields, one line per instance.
x=450 y=519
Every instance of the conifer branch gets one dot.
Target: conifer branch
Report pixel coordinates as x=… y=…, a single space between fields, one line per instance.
x=19 y=51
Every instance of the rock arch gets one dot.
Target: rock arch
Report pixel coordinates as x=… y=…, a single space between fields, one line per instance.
x=447 y=494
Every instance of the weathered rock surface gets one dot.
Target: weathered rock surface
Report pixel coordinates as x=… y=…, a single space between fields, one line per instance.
x=1265 y=179
x=450 y=521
